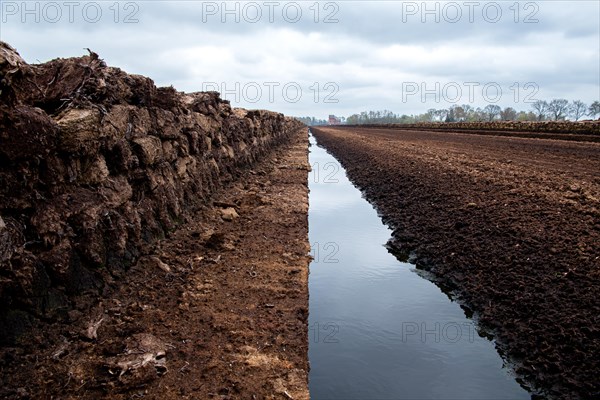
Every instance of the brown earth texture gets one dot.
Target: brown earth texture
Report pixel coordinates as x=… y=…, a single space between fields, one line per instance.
x=153 y=243
x=509 y=225
x=216 y=310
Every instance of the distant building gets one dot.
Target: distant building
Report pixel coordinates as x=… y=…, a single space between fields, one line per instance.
x=333 y=120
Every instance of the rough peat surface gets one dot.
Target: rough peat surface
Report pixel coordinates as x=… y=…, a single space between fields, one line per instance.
x=510 y=225
x=152 y=243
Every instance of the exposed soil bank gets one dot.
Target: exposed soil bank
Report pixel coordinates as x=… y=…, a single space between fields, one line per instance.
x=510 y=224
x=225 y=297
x=96 y=165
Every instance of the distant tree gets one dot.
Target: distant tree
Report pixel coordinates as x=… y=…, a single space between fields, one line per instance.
x=577 y=109
x=594 y=110
x=458 y=113
x=353 y=119
x=558 y=109
x=540 y=107
x=377 y=117
x=477 y=115
x=491 y=111
x=526 y=116
x=441 y=114
x=429 y=116
x=388 y=117
x=508 y=114
x=450 y=117
x=470 y=112
x=406 y=119
x=311 y=121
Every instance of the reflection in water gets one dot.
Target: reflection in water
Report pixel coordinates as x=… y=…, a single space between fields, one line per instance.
x=377 y=329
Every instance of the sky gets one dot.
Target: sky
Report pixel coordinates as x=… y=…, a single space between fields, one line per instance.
x=315 y=58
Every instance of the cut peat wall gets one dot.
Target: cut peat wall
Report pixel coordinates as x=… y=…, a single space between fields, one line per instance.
x=96 y=164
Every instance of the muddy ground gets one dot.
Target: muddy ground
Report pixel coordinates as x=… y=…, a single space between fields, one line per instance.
x=218 y=309
x=510 y=226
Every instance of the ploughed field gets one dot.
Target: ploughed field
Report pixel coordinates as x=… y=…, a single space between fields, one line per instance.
x=510 y=225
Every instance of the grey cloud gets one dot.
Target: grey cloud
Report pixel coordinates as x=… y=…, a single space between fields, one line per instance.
x=369 y=53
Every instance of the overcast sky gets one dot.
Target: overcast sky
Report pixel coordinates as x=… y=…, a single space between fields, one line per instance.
x=339 y=57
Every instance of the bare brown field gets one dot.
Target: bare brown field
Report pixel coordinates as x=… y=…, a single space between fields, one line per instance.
x=510 y=225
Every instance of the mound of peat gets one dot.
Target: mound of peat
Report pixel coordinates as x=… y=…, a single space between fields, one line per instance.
x=95 y=164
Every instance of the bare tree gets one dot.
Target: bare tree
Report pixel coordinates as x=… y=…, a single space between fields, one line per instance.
x=577 y=109
x=429 y=116
x=508 y=114
x=594 y=109
x=456 y=113
x=558 y=108
x=492 y=111
x=441 y=114
x=477 y=115
x=540 y=107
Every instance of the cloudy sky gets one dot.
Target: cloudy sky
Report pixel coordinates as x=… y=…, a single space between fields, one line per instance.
x=331 y=57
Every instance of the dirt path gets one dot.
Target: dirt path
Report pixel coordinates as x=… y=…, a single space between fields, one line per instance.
x=510 y=225
x=217 y=310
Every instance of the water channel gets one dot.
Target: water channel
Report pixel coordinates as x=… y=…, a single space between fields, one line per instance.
x=379 y=330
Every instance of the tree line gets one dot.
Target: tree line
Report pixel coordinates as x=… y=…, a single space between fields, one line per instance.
x=541 y=110
x=311 y=121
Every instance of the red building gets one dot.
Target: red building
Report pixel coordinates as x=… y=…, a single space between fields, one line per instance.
x=333 y=120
